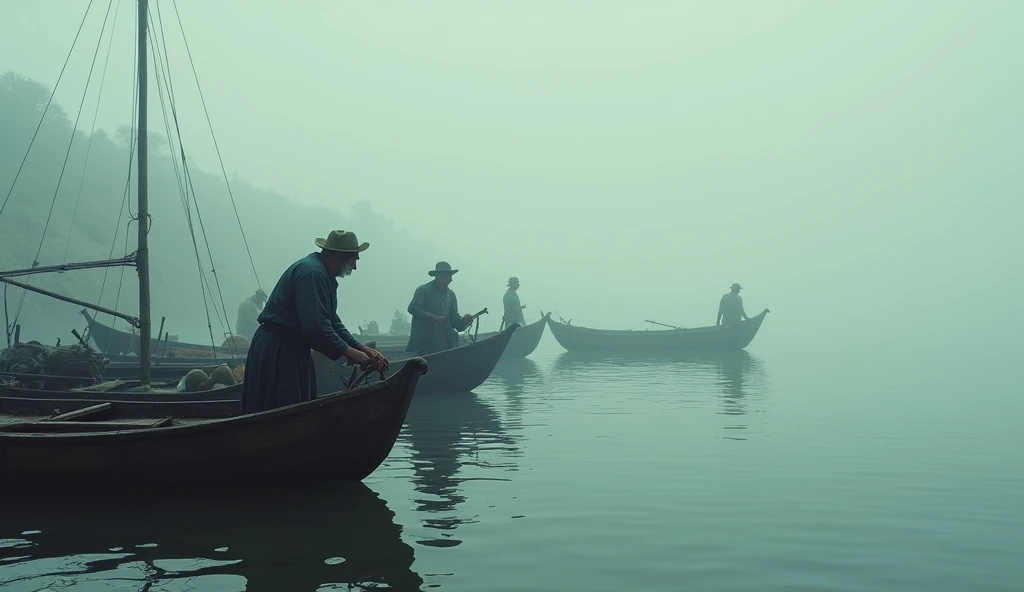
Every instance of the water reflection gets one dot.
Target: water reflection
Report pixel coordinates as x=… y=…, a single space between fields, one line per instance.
x=513 y=376
x=735 y=378
x=340 y=536
x=453 y=438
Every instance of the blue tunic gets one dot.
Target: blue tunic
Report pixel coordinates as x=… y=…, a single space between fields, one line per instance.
x=300 y=315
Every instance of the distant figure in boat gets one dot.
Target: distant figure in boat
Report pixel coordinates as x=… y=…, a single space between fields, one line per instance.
x=248 y=313
x=300 y=316
x=513 y=309
x=435 y=314
x=730 y=308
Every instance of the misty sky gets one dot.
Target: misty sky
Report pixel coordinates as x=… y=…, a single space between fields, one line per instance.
x=857 y=161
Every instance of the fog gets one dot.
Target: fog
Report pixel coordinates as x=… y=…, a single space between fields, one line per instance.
x=856 y=166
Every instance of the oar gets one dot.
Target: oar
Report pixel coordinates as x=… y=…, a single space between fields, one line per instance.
x=664 y=325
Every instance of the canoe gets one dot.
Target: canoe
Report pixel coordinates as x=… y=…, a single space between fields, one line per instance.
x=343 y=436
x=340 y=536
x=525 y=341
x=114 y=341
x=713 y=338
x=457 y=370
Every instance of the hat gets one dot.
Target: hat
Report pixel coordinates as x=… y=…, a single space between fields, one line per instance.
x=442 y=267
x=735 y=287
x=342 y=241
x=513 y=280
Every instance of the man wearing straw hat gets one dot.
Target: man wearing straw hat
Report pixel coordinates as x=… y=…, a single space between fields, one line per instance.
x=730 y=307
x=513 y=309
x=435 y=314
x=301 y=315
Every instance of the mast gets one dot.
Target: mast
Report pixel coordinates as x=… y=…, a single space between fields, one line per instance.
x=142 y=263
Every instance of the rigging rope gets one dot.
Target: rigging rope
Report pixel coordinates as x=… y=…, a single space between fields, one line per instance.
x=71 y=142
x=92 y=130
x=42 y=116
x=209 y=122
x=161 y=81
x=127 y=184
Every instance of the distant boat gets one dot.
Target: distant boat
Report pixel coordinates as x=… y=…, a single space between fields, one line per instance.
x=90 y=444
x=525 y=341
x=712 y=338
x=114 y=342
x=456 y=370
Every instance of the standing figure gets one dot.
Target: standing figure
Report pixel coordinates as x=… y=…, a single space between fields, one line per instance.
x=435 y=314
x=300 y=316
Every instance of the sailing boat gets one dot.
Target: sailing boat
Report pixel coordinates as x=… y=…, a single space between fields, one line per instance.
x=44 y=443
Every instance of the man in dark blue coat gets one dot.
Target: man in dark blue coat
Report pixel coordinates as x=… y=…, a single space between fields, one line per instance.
x=300 y=316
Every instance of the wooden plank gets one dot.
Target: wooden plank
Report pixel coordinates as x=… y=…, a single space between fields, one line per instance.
x=106 y=408
x=102 y=387
x=70 y=427
x=162 y=423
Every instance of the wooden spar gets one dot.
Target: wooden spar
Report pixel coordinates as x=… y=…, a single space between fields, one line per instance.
x=31 y=288
x=129 y=260
x=142 y=263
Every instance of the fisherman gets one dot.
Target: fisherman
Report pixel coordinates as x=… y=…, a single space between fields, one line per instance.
x=301 y=315
x=435 y=314
x=513 y=309
x=730 y=308
x=248 y=313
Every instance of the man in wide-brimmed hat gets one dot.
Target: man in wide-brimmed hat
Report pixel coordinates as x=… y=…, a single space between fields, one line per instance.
x=513 y=309
x=300 y=316
x=248 y=312
x=730 y=308
x=435 y=313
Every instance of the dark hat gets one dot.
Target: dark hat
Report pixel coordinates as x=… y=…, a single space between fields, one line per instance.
x=444 y=268
x=736 y=287
x=341 y=241
x=513 y=280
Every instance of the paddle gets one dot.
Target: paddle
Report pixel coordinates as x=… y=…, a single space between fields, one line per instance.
x=664 y=325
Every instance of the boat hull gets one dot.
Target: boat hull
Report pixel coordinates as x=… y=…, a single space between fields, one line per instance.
x=456 y=370
x=343 y=436
x=726 y=338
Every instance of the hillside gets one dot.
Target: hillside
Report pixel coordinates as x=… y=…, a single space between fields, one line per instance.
x=279 y=230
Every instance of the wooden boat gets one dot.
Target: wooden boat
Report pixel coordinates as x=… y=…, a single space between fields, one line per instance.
x=457 y=370
x=114 y=342
x=525 y=341
x=342 y=436
x=713 y=338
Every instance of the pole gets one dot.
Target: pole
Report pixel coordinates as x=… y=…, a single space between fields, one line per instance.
x=142 y=264
x=57 y=296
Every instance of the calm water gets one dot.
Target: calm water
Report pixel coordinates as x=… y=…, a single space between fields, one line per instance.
x=783 y=470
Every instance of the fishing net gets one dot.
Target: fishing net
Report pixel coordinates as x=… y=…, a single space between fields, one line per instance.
x=73 y=360
x=52 y=365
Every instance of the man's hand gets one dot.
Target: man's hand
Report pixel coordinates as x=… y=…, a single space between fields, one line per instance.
x=357 y=356
x=377 y=358
x=438 y=319
x=468 y=318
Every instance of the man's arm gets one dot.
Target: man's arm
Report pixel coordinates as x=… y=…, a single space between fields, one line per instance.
x=721 y=311
x=743 y=312
x=458 y=322
x=417 y=307
x=344 y=333
x=316 y=320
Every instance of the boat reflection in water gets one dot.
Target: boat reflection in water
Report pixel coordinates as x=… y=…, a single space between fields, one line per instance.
x=340 y=536
x=736 y=378
x=511 y=377
x=453 y=439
